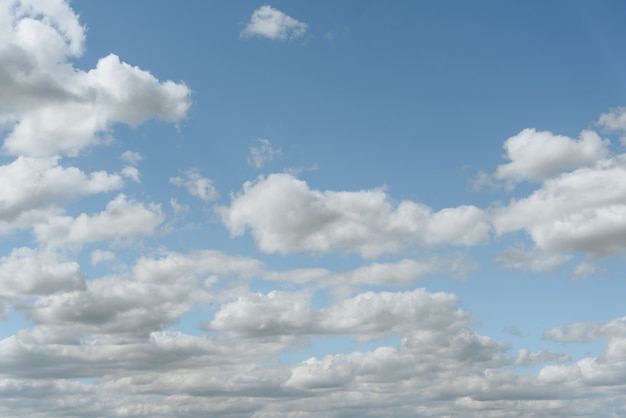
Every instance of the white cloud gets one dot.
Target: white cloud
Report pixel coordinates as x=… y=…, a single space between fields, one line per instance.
x=180 y=266
x=51 y=108
x=28 y=183
x=114 y=308
x=584 y=270
x=582 y=332
x=197 y=185
x=99 y=256
x=541 y=155
x=273 y=24
x=367 y=316
x=121 y=219
x=26 y=272
x=535 y=260
x=614 y=120
x=263 y=153
x=582 y=210
x=114 y=345
x=402 y=272
x=131 y=173
x=285 y=216
x=579 y=332
x=131 y=157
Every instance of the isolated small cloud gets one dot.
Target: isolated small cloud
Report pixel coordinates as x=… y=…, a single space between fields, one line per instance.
x=131 y=157
x=262 y=153
x=196 y=185
x=584 y=270
x=273 y=24
x=131 y=172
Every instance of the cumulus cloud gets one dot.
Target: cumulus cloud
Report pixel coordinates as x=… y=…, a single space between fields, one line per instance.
x=581 y=210
x=196 y=185
x=26 y=272
x=51 y=108
x=541 y=155
x=613 y=120
x=273 y=24
x=124 y=343
x=285 y=215
x=28 y=183
x=131 y=173
x=262 y=153
x=121 y=219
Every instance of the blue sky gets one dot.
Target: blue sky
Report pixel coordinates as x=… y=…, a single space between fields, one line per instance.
x=242 y=209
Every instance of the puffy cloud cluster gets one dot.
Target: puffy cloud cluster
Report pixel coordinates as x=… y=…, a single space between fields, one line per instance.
x=49 y=107
x=119 y=343
x=285 y=215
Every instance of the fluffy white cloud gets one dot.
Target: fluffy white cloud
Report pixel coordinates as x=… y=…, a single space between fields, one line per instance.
x=285 y=216
x=367 y=316
x=614 y=120
x=582 y=210
x=176 y=266
x=26 y=272
x=262 y=153
x=273 y=24
x=114 y=308
x=121 y=219
x=33 y=183
x=197 y=185
x=131 y=173
x=541 y=155
x=51 y=108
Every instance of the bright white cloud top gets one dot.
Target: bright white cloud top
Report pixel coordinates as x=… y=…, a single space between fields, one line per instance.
x=196 y=222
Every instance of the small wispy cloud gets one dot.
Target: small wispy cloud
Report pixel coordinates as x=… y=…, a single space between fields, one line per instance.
x=273 y=24
x=262 y=153
x=196 y=185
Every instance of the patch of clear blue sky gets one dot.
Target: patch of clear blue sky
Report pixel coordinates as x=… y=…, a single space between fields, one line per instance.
x=415 y=95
